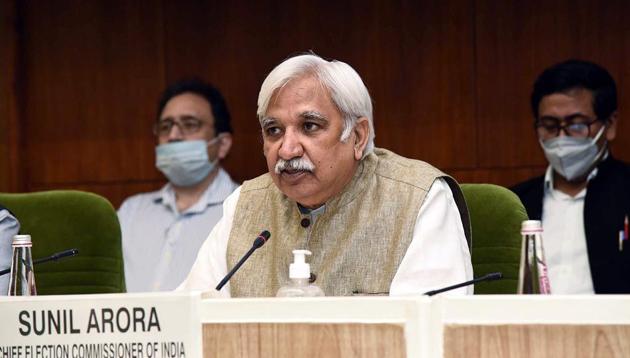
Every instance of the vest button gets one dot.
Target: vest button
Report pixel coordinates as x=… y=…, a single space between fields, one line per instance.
x=312 y=278
x=305 y=223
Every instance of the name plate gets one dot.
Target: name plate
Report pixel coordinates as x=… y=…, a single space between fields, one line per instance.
x=155 y=325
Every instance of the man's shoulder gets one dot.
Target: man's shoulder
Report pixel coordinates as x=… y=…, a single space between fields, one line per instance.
x=613 y=176
x=617 y=167
x=140 y=200
x=392 y=166
x=528 y=186
x=142 y=197
x=261 y=182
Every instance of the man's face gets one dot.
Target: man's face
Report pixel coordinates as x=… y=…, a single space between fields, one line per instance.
x=575 y=106
x=193 y=120
x=302 y=122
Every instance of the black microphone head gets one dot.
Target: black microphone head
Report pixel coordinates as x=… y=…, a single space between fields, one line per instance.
x=70 y=252
x=65 y=253
x=261 y=239
x=494 y=276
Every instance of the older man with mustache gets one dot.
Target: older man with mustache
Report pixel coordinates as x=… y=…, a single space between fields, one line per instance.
x=376 y=223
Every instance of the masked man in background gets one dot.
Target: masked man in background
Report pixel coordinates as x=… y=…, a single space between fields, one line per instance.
x=583 y=199
x=162 y=231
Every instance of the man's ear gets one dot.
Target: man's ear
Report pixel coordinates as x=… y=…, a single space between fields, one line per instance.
x=361 y=134
x=611 y=131
x=225 y=143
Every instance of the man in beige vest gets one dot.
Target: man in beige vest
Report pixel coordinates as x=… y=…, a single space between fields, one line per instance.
x=375 y=222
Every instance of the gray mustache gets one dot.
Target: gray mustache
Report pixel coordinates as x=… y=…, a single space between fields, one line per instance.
x=301 y=164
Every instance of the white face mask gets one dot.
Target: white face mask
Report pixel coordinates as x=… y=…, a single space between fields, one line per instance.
x=571 y=157
x=185 y=163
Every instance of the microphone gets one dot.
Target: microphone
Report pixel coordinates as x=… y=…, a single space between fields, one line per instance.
x=53 y=257
x=489 y=277
x=258 y=242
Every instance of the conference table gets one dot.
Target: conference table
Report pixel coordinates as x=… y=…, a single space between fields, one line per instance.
x=189 y=325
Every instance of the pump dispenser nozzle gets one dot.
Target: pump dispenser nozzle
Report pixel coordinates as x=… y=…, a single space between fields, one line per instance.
x=299 y=268
x=299 y=273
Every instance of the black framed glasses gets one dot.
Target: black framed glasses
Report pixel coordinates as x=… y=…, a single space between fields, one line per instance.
x=187 y=126
x=578 y=126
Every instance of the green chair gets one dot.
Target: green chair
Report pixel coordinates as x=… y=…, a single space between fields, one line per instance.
x=65 y=219
x=496 y=215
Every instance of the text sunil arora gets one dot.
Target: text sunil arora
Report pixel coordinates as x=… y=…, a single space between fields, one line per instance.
x=102 y=320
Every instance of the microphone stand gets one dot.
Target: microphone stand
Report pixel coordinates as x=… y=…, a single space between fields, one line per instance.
x=53 y=257
x=489 y=277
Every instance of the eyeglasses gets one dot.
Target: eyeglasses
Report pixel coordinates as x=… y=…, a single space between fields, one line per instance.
x=578 y=126
x=187 y=126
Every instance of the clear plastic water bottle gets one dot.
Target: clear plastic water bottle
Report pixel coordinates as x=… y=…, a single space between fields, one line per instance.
x=300 y=274
x=22 y=281
x=533 y=277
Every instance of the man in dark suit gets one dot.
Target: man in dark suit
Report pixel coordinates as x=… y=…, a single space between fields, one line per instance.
x=583 y=199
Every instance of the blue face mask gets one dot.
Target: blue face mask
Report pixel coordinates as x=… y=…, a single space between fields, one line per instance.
x=185 y=163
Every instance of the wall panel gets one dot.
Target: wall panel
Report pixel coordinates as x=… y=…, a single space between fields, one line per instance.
x=416 y=59
x=10 y=169
x=450 y=79
x=92 y=73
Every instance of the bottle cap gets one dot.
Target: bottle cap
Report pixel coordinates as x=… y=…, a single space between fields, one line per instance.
x=531 y=226
x=22 y=241
x=299 y=268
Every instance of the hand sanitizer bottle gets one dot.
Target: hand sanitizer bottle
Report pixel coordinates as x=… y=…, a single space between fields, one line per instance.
x=300 y=273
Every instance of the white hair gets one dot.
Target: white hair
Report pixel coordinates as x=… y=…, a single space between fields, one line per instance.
x=343 y=83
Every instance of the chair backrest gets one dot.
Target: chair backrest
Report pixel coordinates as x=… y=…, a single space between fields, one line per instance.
x=65 y=219
x=496 y=215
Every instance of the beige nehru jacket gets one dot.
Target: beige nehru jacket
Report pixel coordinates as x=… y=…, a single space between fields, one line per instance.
x=357 y=244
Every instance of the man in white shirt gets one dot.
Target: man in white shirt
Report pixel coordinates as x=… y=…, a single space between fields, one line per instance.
x=583 y=199
x=375 y=222
x=162 y=231
x=9 y=227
